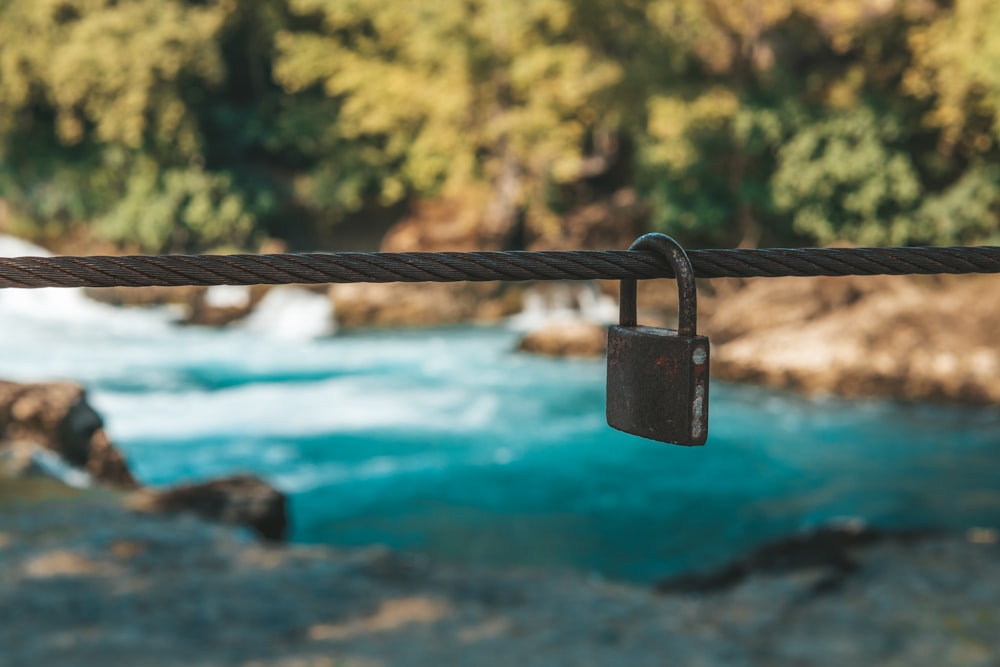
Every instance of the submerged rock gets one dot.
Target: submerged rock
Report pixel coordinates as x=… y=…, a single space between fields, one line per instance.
x=242 y=500
x=565 y=319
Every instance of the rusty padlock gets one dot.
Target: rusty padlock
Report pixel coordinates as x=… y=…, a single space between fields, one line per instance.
x=658 y=378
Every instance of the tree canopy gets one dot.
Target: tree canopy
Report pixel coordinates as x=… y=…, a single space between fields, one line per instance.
x=182 y=125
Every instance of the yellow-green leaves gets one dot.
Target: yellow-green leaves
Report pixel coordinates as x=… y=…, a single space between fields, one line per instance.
x=182 y=124
x=439 y=95
x=957 y=66
x=113 y=66
x=674 y=124
x=170 y=209
x=117 y=79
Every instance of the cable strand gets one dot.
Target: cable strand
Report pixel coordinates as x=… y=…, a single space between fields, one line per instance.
x=350 y=267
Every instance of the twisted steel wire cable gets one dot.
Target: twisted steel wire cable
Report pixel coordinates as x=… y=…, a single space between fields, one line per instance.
x=350 y=267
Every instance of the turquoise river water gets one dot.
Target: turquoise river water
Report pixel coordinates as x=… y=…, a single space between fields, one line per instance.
x=449 y=443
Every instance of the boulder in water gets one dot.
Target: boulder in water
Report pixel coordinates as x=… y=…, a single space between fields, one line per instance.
x=221 y=305
x=57 y=417
x=50 y=430
x=566 y=338
x=107 y=465
x=239 y=500
x=54 y=414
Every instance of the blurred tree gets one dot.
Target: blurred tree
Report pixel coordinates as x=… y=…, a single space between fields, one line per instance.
x=956 y=58
x=731 y=150
x=177 y=209
x=845 y=177
x=103 y=90
x=436 y=97
x=193 y=124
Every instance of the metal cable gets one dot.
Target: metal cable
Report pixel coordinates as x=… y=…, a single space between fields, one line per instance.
x=351 y=267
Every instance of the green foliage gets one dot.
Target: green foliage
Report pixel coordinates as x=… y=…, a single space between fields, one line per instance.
x=955 y=63
x=965 y=212
x=433 y=96
x=193 y=124
x=815 y=121
x=113 y=69
x=706 y=165
x=844 y=177
x=101 y=87
x=177 y=209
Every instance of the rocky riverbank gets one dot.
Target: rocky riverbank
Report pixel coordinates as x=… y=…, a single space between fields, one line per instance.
x=48 y=431
x=926 y=338
x=85 y=582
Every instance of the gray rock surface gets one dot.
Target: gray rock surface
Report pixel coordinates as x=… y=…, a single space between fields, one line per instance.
x=84 y=582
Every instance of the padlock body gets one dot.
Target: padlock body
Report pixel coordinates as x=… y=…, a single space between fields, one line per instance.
x=658 y=384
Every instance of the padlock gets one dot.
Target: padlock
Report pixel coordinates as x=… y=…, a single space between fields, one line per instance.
x=658 y=378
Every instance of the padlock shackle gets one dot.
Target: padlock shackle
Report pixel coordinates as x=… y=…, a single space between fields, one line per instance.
x=687 y=304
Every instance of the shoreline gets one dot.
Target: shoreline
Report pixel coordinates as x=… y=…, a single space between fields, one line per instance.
x=915 y=339
x=907 y=338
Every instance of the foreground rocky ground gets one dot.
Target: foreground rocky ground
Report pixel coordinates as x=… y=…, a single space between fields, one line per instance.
x=85 y=582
